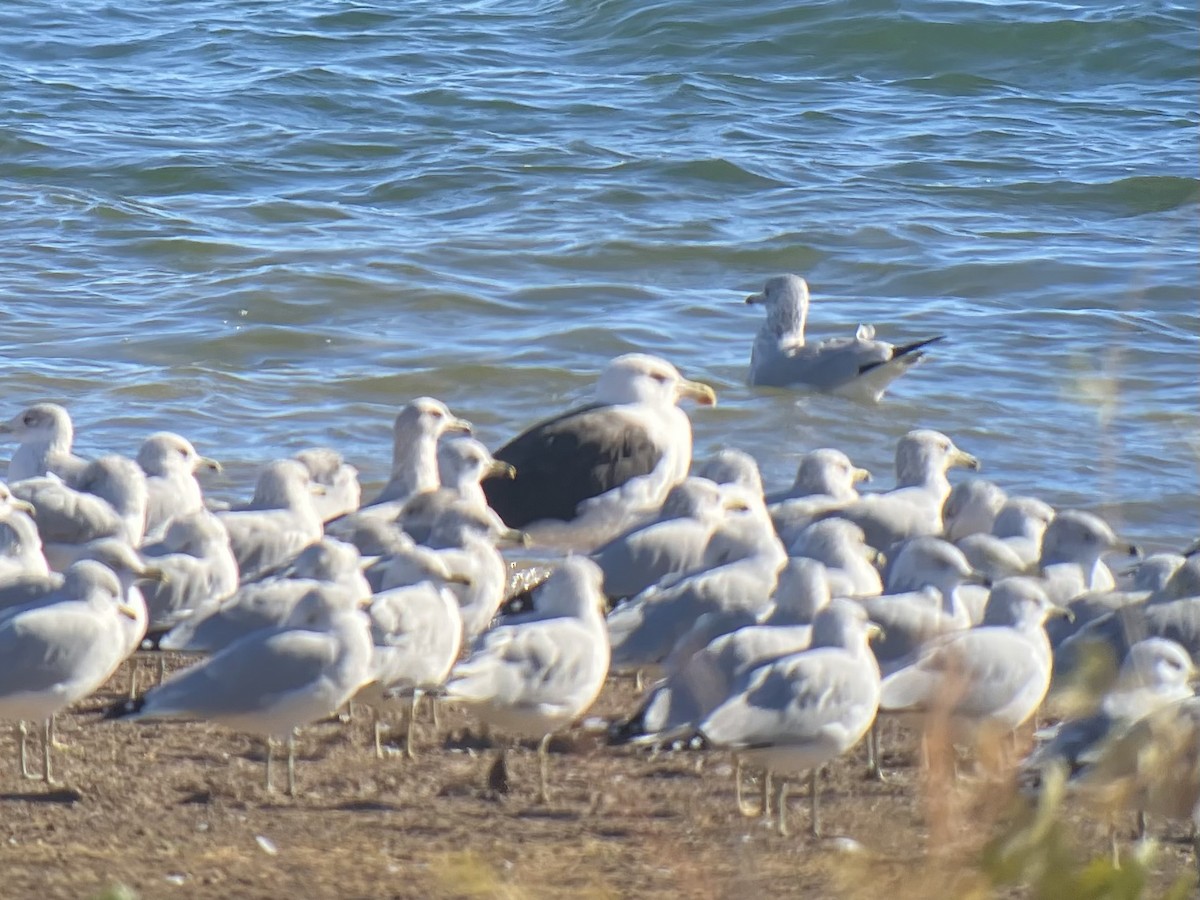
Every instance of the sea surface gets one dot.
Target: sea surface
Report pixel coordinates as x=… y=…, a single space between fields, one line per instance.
x=268 y=225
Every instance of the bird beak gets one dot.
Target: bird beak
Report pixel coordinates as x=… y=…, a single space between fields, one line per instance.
x=701 y=393
x=500 y=469
x=459 y=426
x=857 y=475
x=1063 y=612
x=755 y=298
x=875 y=632
x=128 y=611
x=23 y=505
x=964 y=459
x=876 y=558
x=211 y=464
x=455 y=578
x=316 y=489
x=1135 y=551
x=974 y=577
x=153 y=573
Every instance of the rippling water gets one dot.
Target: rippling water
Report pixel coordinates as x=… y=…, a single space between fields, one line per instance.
x=267 y=226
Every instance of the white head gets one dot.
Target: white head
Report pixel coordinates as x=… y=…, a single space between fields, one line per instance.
x=426 y=418
x=641 y=378
x=923 y=454
x=42 y=423
x=786 y=300
x=928 y=562
x=1019 y=602
x=1079 y=537
x=971 y=508
x=731 y=466
x=464 y=461
x=165 y=451
x=326 y=560
x=284 y=484
x=195 y=533
x=1023 y=517
x=697 y=498
x=843 y=623
x=1156 y=662
x=573 y=589
x=830 y=472
x=802 y=591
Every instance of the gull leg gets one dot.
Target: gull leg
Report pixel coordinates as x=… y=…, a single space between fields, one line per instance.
x=433 y=712
x=638 y=681
x=378 y=728
x=412 y=720
x=270 y=752
x=1141 y=824
x=544 y=769
x=22 y=741
x=745 y=810
x=781 y=807
x=134 y=666
x=47 y=745
x=54 y=741
x=291 y=745
x=766 y=792
x=162 y=667
x=874 y=754
x=814 y=798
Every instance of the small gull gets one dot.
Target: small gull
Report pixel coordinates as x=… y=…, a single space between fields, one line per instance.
x=60 y=650
x=463 y=464
x=672 y=544
x=914 y=507
x=606 y=463
x=20 y=544
x=171 y=463
x=1021 y=524
x=342 y=493
x=859 y=367
x=850 y=562
x=45 y=435
x=537 y=676
x=418 y=632
x=731 y=466
x=415 y=435
x=327 y=563
x=971 y=508
x=109 y=500
x=801 y=711
x=285 y=522
x=200 y=569
x=273 y=680
x=1072 y=561
x=984 y=682
x=825 y=481
x=695 y=686
x=741 y=565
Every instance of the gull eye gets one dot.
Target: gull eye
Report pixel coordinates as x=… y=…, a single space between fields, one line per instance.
x=29 y=418
x=435 y=414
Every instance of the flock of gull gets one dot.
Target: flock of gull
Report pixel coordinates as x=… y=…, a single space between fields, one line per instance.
x=781 y=626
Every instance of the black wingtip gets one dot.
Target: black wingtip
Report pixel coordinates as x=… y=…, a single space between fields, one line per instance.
x=906 y=349
x=626 y=730
x=123 y=708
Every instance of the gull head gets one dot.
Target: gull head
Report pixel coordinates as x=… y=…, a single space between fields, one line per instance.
x=923 y=453
x=164 y=452
x=42 y=422
x=426 y=417
x=641 y=378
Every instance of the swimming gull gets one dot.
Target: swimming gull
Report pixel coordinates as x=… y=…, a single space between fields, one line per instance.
x=61 y=650
x=285 y=522
x=606 y=462
x=914 y=506
x=171 y=463
x=825 y=481
x=342 y=493
x=45 y=436
x=537 y=676
x=859 y=367
x=803 y=710
x=274 y=680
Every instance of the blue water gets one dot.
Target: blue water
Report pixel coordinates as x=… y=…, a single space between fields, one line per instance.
x=267 y=226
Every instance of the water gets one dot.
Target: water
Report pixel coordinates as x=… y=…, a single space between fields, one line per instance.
x=267 y=226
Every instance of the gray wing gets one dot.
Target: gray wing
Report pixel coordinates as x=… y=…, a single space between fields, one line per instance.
x=796 y=700
x=248 y=676
x=264 y=541
x=46 y=646
x=635 y=562
x=67 y=516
